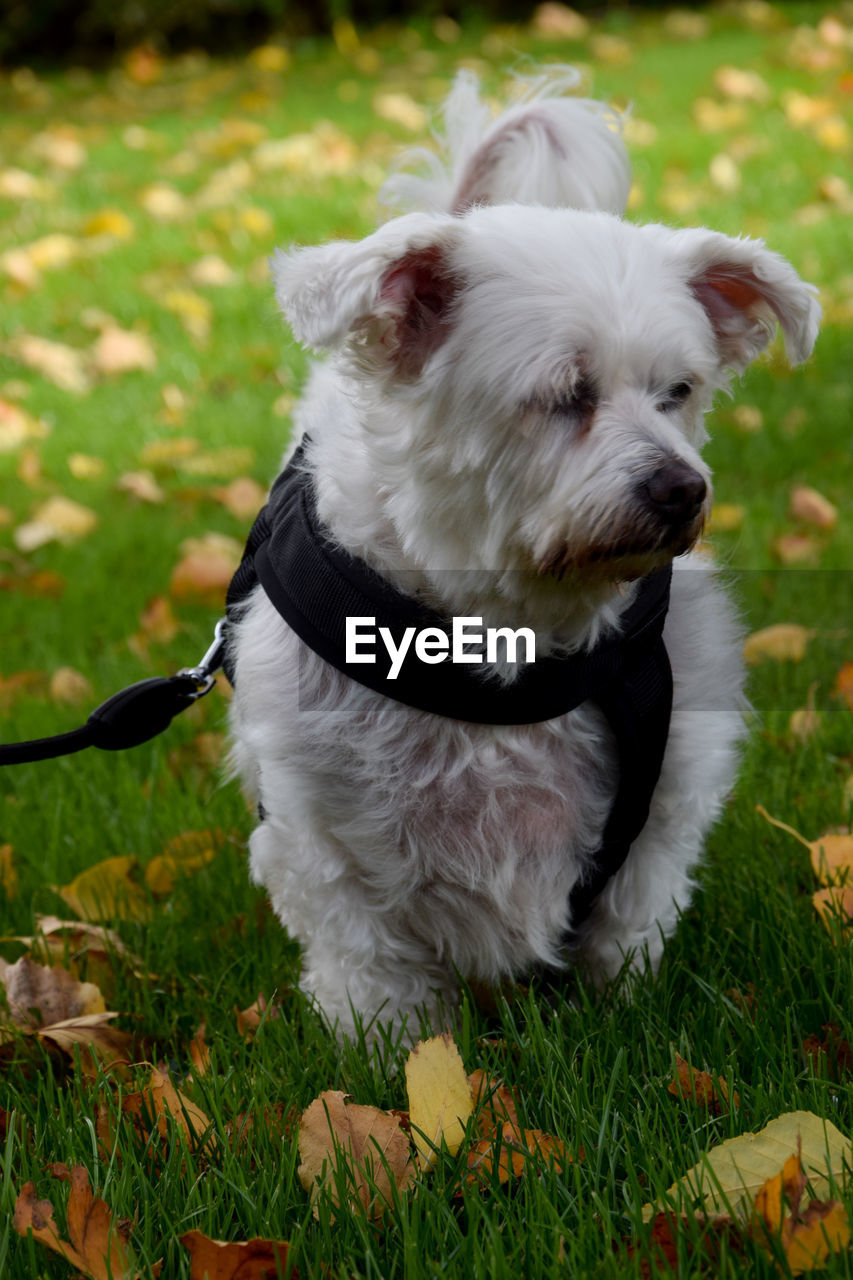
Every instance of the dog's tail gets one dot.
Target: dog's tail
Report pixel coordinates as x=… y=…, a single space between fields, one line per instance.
x=546 y=149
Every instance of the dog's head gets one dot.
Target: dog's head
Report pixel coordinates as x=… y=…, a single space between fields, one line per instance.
x=533 y=381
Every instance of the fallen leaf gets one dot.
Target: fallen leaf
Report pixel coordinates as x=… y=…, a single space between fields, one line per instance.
x=243 y=497
x=236 y=1260
x=440 y=1098
x=726 y=517
x=164 y=203
x=194 y=312
x=39 y=995
x=8 y=874
x=199 y=1052
x=70 y=686
x=109 y=889
x=359 y=1154
x=796 y=548
x=183 y=854
x=161 y=1104
x=225 y=462
x=109 y=222
x=165 y=453
x=59 y=519
x=742 y=85
x=84 y=467
x=701 y=1088
x=211 y=270
x=249 y=1019
x=834 y=904
x=554 y=21
x=729 y=1176
x=120 y=350
x=62 y=941
x=206 y=568
x=62 y=365
x=807 y=1236
x=831 y=854
x=17 y=427
x=833 y=1051
x=142 y=486
x=97 y=1246
x=782 y=642
x=812 y=507
x=49 y=1004
x=844 y=683
x=400 y=109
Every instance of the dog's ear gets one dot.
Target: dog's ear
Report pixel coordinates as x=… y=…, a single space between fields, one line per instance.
x=393 y=291
x=745 y=289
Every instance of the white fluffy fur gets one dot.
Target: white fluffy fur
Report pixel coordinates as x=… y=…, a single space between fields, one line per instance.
x=400 y=847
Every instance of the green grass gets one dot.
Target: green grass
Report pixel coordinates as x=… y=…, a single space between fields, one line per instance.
x=592 y=1069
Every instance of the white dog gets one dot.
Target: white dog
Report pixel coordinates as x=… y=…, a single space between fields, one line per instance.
x=508 y=430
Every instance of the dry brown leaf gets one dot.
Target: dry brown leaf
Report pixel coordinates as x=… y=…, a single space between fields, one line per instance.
x=812 y=507
x=206 y=568
x=701 y=1088
x=70 y=686
x=249 y=1019
x=119 y=350
x=165 y=453
x=59 y=519
x=39 y=995
x=358 y=1154
x=142 y=486
x=98 y=1245
x=782 y=642
x=69 y=940
x=8 y=873
x=236 y=1260
x=62 y=365
x=796 y=548
x=199 y=1052
x=161 y=1104
x=555 y=21
x=243 y=497
x=833 y=1051
x=17 y=427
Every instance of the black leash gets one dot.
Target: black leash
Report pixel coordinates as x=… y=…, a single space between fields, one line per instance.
x=130 y=717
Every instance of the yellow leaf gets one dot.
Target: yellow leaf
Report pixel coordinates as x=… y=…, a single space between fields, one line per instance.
x=832 y=903
x=440 y=1099
x=17 y=427
x=193 y=311
x=555 y=21
x=270 y=57
x=109 y=222
x=84 y=467
x=109 y=889
x=783 y=642
x=730 y=1175
x=726 y=517
x=141 y=485
x=185 y=853
x=824 y=1229
x=831 y=854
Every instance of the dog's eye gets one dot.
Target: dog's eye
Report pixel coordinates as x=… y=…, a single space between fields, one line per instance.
x=579 y=405
x=675 y=397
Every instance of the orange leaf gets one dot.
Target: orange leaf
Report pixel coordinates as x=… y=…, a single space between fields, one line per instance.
x=700 y=1087
x=844 y=684
x=97 y=1246
x=235 y=1260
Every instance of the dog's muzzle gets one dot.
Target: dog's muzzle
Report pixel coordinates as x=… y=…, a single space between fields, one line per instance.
x=674 y=494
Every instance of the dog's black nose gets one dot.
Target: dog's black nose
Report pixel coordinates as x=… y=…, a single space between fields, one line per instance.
x=676 y=492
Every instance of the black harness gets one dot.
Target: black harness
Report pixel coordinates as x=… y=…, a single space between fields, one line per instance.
x=316 y=585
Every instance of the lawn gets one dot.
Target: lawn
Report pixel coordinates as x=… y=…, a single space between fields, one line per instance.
x=138 y=206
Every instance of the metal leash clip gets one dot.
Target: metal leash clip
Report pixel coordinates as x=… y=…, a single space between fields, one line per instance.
x=204 y=674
